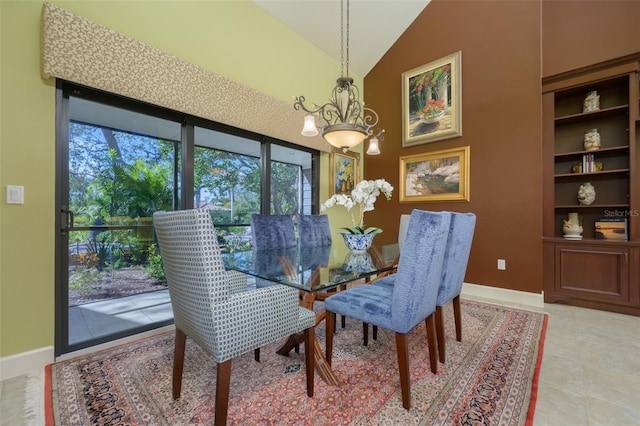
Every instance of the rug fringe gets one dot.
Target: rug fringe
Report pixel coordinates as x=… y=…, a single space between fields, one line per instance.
x=33 y=399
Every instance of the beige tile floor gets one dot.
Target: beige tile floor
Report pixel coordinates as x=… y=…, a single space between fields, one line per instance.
x=590 y=373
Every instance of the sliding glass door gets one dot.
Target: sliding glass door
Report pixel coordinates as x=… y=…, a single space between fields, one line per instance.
x=118 y=161
x=116 y=168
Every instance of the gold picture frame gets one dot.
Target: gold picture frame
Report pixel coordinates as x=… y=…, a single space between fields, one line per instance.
x=432 y=101
x=437 y=176
x=345 y=171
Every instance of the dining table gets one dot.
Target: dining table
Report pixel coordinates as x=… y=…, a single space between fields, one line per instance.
x=317 y=272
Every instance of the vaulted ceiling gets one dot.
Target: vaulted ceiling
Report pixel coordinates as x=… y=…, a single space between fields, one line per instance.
x=374 y=25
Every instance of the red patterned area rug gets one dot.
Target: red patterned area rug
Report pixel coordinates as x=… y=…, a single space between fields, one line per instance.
x=490 y=378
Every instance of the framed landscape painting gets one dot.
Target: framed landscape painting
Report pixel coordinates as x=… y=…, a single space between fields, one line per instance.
x=432 y=101
x=344 y=171
x=437 y=176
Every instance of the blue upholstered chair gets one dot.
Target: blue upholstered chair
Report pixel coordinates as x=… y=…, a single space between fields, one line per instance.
x=411 y=297
x=225 y=321
x=314 y=230
x=453 y=272
x=270 y=231
x=402 y=230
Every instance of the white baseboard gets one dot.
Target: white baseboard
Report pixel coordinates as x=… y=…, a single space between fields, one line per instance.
x=36 y=360
x=26 y=362
x=503 y=295
x=118 y=342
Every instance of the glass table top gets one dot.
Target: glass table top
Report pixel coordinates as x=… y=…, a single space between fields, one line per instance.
x=310 y=268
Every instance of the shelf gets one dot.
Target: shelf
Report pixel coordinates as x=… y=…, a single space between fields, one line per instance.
x=590 y=241
x=601 y=174
x=601 y=113
x=622 y=149
x=592 y=206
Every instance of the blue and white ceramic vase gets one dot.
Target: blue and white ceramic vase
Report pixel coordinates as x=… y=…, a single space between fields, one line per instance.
x=358 y=243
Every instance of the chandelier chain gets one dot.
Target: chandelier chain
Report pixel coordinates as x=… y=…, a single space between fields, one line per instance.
x=342 y=37
x=348 y=37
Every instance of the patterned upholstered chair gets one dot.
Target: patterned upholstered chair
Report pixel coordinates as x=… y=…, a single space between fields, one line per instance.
x=225 y=321
x=409 y=300
x=453 y=272
x=314 y=230
x=270 y=231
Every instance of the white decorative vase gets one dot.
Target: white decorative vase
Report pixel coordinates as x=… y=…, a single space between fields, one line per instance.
x=592 y=140
x=572 y=228
x=358 y=243
x=586 y=194
x=591 y=102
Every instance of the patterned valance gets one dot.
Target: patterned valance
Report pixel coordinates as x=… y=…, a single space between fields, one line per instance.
x=81 y=51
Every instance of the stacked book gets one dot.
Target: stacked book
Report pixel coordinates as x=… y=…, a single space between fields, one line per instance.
x=588 y=163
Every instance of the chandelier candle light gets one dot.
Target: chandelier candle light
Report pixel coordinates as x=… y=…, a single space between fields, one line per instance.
x=358 y=238
x=345 y=122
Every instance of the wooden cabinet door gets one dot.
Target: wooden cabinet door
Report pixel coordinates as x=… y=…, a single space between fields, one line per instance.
x=592 y=272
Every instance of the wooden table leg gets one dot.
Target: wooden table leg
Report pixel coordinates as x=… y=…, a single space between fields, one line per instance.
x=323 y=367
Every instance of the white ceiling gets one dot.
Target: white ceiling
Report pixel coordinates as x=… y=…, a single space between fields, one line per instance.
x=374 y=25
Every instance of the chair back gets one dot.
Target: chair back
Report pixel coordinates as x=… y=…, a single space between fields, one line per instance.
x=456 y=256
x=314 y=230
x=195 y=273
x=420 y=269
x=402 y=231
x=271 y=231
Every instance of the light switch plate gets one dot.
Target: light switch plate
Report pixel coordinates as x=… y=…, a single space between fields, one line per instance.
x=15 y=194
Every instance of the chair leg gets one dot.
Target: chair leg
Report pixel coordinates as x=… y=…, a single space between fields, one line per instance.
x=256 y=354
x=375 y=332
x=440 y=333
x=343 y=320
x=431 y=340
x=458 y=317
x=309 y=342
x=365 y=333
x=178 y=362
x=331 y=322
x=402 y=348
x=223 y=380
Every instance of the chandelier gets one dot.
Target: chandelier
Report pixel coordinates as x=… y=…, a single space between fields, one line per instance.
x=344 y=121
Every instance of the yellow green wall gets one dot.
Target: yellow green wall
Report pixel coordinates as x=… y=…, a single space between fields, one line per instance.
x=232 y=38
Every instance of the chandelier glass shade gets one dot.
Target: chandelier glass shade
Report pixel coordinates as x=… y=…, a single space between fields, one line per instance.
x=343 y=121
x=373 y=149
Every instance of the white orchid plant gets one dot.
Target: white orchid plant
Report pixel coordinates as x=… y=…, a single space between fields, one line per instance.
x=363 y=197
